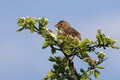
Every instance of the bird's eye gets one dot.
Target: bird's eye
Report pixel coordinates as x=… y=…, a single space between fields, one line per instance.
x=61 y=24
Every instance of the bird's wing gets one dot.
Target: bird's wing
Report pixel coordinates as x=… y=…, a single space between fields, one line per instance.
x=72 y=31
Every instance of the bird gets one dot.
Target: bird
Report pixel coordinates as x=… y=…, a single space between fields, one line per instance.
x=66 y=29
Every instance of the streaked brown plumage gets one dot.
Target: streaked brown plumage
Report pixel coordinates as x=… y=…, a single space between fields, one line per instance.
x=66 y=29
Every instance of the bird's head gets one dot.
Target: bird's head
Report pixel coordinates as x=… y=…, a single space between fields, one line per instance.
x=62 y=24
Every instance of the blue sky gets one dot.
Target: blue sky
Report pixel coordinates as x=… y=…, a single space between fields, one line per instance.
x=21 y=54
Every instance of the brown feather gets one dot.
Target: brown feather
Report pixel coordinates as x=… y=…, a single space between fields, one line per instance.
x=66 y=29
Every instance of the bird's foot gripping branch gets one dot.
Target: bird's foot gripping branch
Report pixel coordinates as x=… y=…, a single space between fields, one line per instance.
x=64 y=67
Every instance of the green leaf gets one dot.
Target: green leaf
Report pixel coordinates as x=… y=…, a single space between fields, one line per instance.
x=89 y=78
x=83 y=76
x=45 y=44
x=81 y=70
x=50 y=74
x=19 y=30
x=98 y=38
x=86 y=59
x=21 y=21
x=86 y=40
x=96 y=73
x=55 y=66
x=32 y=29
x=52 y=59
x=84 y=54
x=43 y=22
x=90 y=72
x=115 y=47
x=100 y=67
x=99 y=31
x=53 y=50
x=101 y=55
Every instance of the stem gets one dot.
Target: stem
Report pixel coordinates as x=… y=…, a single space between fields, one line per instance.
x=71 y=63
x=99 y=62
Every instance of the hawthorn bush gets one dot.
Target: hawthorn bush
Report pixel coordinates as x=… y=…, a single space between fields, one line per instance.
x=64 y=67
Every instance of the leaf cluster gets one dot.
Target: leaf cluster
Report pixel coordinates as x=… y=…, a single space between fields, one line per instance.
x=64 y=67
x=61 y=69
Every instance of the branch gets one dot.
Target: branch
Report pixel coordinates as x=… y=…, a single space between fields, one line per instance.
x=71 y=63
x=99 y=62
x=92 y=48
x=55 y=48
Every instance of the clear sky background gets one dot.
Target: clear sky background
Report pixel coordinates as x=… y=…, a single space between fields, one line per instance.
x=21 y=54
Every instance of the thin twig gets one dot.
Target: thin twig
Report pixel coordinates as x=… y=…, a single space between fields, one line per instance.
x=55 y=48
